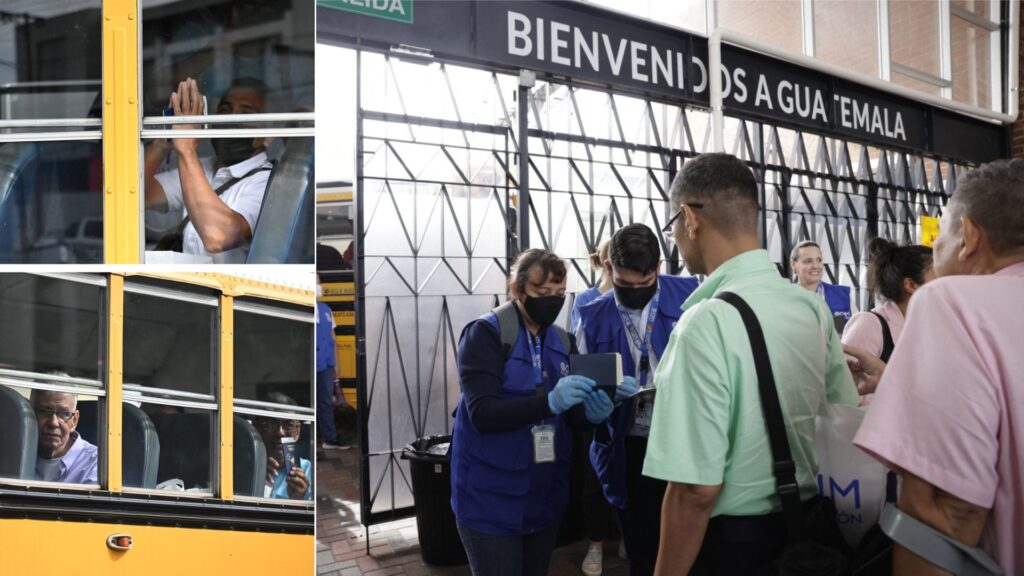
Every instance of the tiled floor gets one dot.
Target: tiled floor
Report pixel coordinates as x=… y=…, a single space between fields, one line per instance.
x=394 y=549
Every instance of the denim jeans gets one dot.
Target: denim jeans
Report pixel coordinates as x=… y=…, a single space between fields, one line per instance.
x=324 y=405
x=519 y=555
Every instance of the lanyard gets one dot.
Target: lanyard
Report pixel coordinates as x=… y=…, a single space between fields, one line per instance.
x=641 y=345
x=535 y=348
x=820 y=289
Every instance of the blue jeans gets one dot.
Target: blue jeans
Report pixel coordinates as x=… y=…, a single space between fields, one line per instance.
x=519 y=555
x=324 y=405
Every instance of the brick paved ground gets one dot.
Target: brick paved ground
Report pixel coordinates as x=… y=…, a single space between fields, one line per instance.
x=394 y=550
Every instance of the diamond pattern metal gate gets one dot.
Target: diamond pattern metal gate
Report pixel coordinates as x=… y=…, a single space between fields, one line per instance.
x=437 y=203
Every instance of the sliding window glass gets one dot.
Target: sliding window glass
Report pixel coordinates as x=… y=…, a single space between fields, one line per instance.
x=52 y=350
x=228 y=95
x=273 y=367
x=170 y=379
x=51 y=168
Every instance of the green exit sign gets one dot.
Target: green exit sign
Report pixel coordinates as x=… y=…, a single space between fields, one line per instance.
x=397 y=10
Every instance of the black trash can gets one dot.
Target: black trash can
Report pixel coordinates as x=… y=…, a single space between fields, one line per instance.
x=430 y=467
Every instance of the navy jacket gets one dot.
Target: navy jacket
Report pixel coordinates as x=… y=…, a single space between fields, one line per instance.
x=604 y=332
x=497 y=488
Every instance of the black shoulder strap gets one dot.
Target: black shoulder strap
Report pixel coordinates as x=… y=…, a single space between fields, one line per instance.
x=783 y=466
x=887 y=343
x=508 y=328
x=223 y=188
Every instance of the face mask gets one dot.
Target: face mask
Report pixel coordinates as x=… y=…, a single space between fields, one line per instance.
x=635 y=298
x=544 y=309
x=231 y=151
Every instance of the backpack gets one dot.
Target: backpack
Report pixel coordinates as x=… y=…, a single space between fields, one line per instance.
x=508 y=328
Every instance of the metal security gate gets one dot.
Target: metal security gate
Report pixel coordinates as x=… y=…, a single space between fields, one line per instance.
x=438 y=212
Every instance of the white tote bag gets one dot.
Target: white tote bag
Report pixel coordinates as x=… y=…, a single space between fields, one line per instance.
x=849 y=476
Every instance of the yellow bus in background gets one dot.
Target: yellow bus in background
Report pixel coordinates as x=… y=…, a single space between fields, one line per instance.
x=187 y=384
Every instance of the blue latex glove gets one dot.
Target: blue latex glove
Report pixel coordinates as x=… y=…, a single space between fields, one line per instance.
x=570 y=391
x=597 y=406
x=626 y=389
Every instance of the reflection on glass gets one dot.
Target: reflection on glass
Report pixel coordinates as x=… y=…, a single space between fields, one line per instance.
x=183 y=443
x=50 y=59
x=289 y=472
x=168 y=343
x=51 y=207
x=273 y=355
x=51 y=325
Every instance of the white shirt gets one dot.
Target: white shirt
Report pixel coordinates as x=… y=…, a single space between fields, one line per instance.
x=244 y=197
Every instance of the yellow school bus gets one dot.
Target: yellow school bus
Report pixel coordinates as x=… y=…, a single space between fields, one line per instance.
x=188 y=386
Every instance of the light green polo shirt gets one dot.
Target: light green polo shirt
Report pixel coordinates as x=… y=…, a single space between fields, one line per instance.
x=708 y=426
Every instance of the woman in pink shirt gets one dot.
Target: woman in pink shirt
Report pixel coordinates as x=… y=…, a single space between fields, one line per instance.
x=894 y=273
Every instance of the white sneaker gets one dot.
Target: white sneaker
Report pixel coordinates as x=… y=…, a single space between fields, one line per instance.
x=593 y=562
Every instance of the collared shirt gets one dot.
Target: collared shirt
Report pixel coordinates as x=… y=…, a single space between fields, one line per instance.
x=78 y=465
x=244 y=197
x=950 y=406
x=708 y=426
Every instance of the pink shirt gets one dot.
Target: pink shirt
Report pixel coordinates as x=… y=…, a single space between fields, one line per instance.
x=950 y=406
x=865 y=331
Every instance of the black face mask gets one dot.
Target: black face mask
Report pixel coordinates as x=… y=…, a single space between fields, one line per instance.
x=636 y=298
x=231 y=151
x=544 y=309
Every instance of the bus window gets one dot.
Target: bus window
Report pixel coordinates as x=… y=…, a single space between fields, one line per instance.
x=51 y=167
x=51 y=366
x=252 y=58
x=170 y=352
x=274 y=393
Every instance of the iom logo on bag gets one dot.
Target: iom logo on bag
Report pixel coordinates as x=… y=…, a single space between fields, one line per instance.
x=849 y=492
x=564 y=368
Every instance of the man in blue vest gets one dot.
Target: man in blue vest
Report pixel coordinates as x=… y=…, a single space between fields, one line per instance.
x=806 y=262
x=635 y=320
x=326 y=372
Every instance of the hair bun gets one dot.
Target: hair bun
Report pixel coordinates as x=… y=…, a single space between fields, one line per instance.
x=881 y=249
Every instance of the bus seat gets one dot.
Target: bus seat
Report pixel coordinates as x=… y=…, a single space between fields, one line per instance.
x=140 y=449
x=250 y=459
x=284 y=228
x=184 y=448
x=88 y=421
x=20 y=435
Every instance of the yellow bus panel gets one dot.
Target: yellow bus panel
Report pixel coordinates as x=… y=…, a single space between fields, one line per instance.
x=46 y=547
x=344 y=317
x=338 y=292
x=346 y=356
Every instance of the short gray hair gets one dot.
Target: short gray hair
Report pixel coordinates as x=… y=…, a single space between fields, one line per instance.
x=36 y=396
x=992 y=196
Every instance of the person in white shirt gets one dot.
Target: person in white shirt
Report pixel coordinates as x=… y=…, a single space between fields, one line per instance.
x=220 y=197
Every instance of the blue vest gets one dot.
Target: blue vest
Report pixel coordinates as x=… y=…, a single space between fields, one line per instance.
x=496 y=486
x=604 y=332
x=324 y=337
x=838 y=299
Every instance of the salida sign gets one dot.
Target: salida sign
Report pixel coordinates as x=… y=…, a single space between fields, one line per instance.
x=546 y=37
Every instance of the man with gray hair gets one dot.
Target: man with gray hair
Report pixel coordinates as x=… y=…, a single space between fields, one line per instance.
x=949 y=409
x=63 y=455
x=708 y=437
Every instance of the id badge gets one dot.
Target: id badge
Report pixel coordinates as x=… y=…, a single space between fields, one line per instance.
x=543 y=443
x=644 y=410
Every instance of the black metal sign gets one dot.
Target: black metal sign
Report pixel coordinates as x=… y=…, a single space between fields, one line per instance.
x=591 y=45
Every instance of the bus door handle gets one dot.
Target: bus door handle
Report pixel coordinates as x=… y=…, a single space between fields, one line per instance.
x=119 y=542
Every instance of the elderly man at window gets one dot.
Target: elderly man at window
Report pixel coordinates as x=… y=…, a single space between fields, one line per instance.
x=63 y=455
x=219 y=197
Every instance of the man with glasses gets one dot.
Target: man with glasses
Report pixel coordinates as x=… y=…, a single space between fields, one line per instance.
x=63 y=455
x=708 y=437
x=294 y=484
x=633 y=319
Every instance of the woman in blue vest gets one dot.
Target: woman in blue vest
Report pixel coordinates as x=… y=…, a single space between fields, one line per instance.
x=806 y=262
x=512 y=442
x=597 y=261
x=635 y=320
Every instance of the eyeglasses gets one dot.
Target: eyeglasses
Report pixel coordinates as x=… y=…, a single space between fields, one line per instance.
x=46 y=413
x=289 y=426
x=668 y=225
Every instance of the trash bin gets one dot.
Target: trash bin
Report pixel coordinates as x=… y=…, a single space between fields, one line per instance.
x=430 y=467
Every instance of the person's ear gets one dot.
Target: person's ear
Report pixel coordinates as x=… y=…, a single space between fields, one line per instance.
x=657 y=269
x=909 y=286
x=692 y=222
x=971 y=238
x=73 y=422
x=608 y=268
